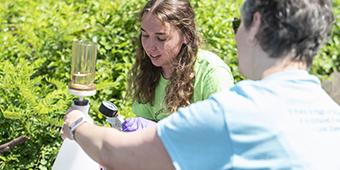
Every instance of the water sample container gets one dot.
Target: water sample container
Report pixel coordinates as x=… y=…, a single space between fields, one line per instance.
x=83 y=68
x=71 y=156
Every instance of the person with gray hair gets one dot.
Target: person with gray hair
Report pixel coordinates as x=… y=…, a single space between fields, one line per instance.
x=280 y=118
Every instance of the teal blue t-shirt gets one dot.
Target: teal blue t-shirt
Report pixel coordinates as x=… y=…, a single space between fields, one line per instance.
x=285 y=121
x=211 y=75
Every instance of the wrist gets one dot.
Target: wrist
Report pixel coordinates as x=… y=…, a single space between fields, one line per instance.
x=74 y=126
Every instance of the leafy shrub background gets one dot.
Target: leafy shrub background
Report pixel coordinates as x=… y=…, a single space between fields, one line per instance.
x=35 y=51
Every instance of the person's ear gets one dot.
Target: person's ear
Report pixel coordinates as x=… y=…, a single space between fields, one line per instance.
x=255 y=26
x=185 y=40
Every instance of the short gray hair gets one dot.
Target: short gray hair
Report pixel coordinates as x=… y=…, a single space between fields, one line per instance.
x=298 y=26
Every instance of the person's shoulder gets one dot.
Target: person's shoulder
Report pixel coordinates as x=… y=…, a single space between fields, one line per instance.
x=242 y=97
x=209 y=58
x=243 y=90
x=206 y=54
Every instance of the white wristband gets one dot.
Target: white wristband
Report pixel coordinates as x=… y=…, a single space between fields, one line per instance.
x=75 y=125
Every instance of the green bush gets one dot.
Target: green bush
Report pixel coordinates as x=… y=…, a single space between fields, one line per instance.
x=332 y=86
x=328 y=60
x=36 y=38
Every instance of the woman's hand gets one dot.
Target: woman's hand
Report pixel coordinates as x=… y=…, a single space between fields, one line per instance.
x=136 y=123
x=70 y=118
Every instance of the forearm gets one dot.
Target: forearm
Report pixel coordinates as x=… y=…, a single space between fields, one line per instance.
x=91 y=138
x=116 y=150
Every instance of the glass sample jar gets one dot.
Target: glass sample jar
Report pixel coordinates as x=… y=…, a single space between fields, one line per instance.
x=83 y=68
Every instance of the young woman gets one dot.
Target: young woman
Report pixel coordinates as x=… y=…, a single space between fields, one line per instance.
x=170 y=71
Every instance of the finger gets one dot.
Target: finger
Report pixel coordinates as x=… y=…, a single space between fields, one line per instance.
x=69 y=110
x=65 y=117
x=62 y=133
x=61 y=130
x=65 y=131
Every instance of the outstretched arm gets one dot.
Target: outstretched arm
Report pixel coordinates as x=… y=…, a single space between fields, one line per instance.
x=117 y=150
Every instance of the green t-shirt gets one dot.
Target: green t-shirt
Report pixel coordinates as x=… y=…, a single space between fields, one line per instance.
x=211 y=75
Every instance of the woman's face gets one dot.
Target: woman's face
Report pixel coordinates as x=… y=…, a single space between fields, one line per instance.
x=161 y=41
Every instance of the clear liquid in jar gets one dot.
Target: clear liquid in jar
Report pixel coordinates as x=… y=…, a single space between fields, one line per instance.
x=83 y=81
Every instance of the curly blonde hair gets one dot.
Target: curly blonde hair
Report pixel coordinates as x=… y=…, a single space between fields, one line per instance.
x=144 y=76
